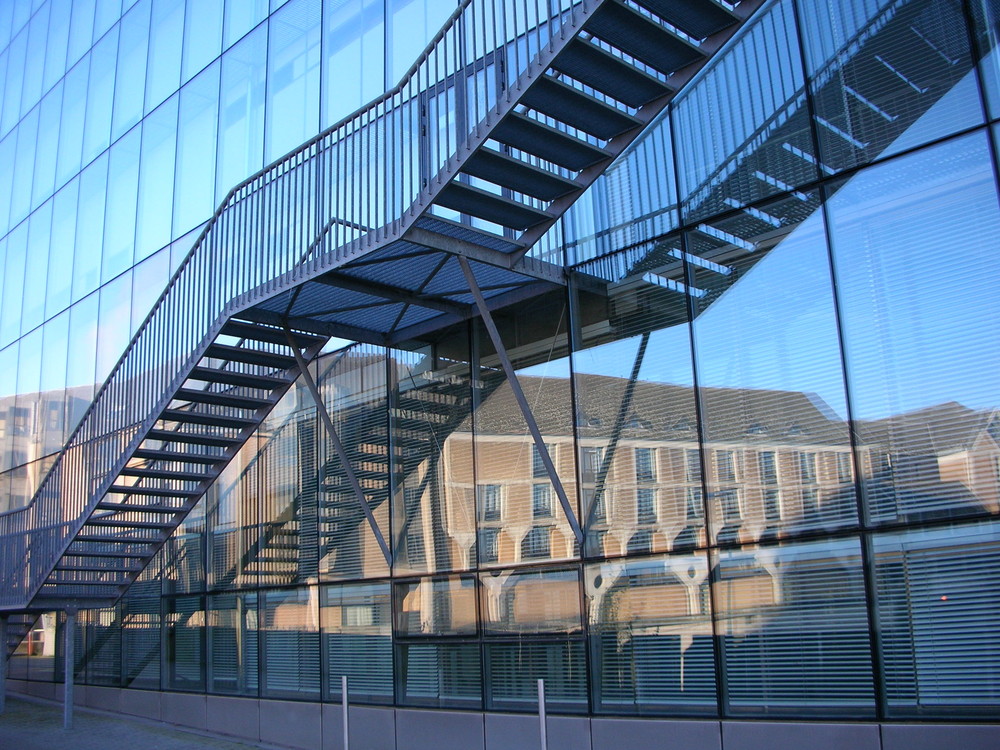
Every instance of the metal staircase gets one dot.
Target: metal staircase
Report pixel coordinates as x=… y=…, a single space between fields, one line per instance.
x=333 y=241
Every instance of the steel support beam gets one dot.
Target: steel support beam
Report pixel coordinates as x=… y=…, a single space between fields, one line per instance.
x=522 y=402
x=338 y=446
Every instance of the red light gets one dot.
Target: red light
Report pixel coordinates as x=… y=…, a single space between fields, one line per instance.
x=944 y=598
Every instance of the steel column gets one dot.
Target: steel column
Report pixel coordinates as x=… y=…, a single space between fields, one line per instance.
x=338 y=446
x=522 y=402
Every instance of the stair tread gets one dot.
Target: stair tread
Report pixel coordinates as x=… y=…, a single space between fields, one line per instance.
x=696 y=18
x=598 y=68
x=489 y=206
x=523 y=133
x=231 y=377
x=577 y=109
x=250 y=356
x=641 y=37
x=221 y=399
x=176 y=436
x=246 y=330
x=215 y=420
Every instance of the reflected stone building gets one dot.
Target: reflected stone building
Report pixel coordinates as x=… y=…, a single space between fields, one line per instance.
x=665 y=373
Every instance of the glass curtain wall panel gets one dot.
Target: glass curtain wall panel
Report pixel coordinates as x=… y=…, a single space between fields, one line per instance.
x=241 y=111
x=232 y=644
x=293 y=73
x=197 y=131
x=636 y=422
x=239 y=17
x=793 y=629
x=531 y=524
x=156 y=182
x=166 y=43
x=920 y=328
x=770 y=376
x=353 y=56
x=357 y=641
x=202 y=36
x=434 y=506
x=289 y=643
x=101 y=654
x=886 y=76
x=650 y=627
x=130 y=68
x=184 y=643
x=741 y=130
x=355 y=394
x=141 y=647
x=236 y=541
x=439 y=674
x=937 y=610
x=986 y=26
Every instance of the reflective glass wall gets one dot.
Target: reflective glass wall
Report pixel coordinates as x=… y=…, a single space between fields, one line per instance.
x=123 y=124
x=769 y=393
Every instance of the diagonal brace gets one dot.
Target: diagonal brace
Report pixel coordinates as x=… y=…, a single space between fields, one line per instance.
x=522 y=402
x=338 y=446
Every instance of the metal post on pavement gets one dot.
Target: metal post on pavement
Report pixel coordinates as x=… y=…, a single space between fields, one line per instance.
x=70 y=660
x=343 y=703
x=541 y=715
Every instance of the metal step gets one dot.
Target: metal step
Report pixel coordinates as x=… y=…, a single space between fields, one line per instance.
x=212 y=420
x=113 y=523
x=154 y=491
x=566 y=104
x=183 y=476
x=98 y=569
x=523 y=133
x=245 y=330
x=176 y=436
x=108 y=539
x=221 y=399
x=641 y=37
x=105 y=554
x=250 y=356
x=178 y=456
x=243 y=379
x=598 y=68
x=132 y=508
x=517 y=175
x=489 y=206
x=696 y=18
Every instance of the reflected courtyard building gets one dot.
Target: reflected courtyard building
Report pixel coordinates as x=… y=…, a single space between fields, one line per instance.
x=718 y=458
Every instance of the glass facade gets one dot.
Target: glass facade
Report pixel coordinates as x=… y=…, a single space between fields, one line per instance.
x=768 y=388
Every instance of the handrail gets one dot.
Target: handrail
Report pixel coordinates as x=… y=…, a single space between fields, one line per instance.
x=305 y=212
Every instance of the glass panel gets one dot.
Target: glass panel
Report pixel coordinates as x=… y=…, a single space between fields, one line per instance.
x=240 y=17
x=353 y=56
x=290 y=644
x=113 y=331
x=55 y=47
x=237 y=545
x=651 y=635
x=81 y=29
x=184 y=643
x=101 y=96
x=80 y=376
x=737 y=143
x=768 y=358
x=634 y=389
x=31 y=90
x=39 y=234
x=938 y=611
x=794 y=629
x=922 y=371
x=355 y=393
x=504 y=446
x=72 y=122
x=293 y=72
x=13 y=288
x=52 y=417
x=514 y=669
x=241 y=125
x=166 y=31
x=531 y=601
x=24 y=165
x=434 y=506
x=90 y=228
x=232 y=644
x=47 y=146
x=412 y=24
x=887 y=76
x=142 y=641
x=119 y=218
x=357 y=641
x=986 y=17
x=156 y=180
x=130 y=77
x=197 y=129
x=436 y=606
x=440 y=675
x=202 y=35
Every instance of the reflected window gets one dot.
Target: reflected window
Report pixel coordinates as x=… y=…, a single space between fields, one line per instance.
x=541 y=501
x=645 y=505
x=641 y=542
x=489 y=545
x=807 y=468
x=645 y=464
x=692 y=465
x=536 y=543
x=489 y=501
x=845 y=472
x=772 y=505
x=810 y=502
x=538 y=463
x=694 y=505
x=725 y=466
x=729 y=502
x=768 y=467
x=590 y=463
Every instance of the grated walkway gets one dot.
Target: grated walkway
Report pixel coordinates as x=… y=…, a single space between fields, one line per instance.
x=31 y=725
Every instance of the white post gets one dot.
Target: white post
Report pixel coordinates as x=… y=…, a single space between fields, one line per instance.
x=68 y=684
x=343 y=703
x=3 y=662
x=541 y=714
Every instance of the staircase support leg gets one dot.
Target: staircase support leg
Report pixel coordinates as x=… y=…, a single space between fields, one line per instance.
x=338 y=446
x=522 y=402
x=70 y=661
x=3 y=663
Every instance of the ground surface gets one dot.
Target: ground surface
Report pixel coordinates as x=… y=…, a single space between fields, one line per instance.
x=38 y=726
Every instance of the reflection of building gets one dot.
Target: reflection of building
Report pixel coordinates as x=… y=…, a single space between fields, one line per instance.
x=756 y=351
